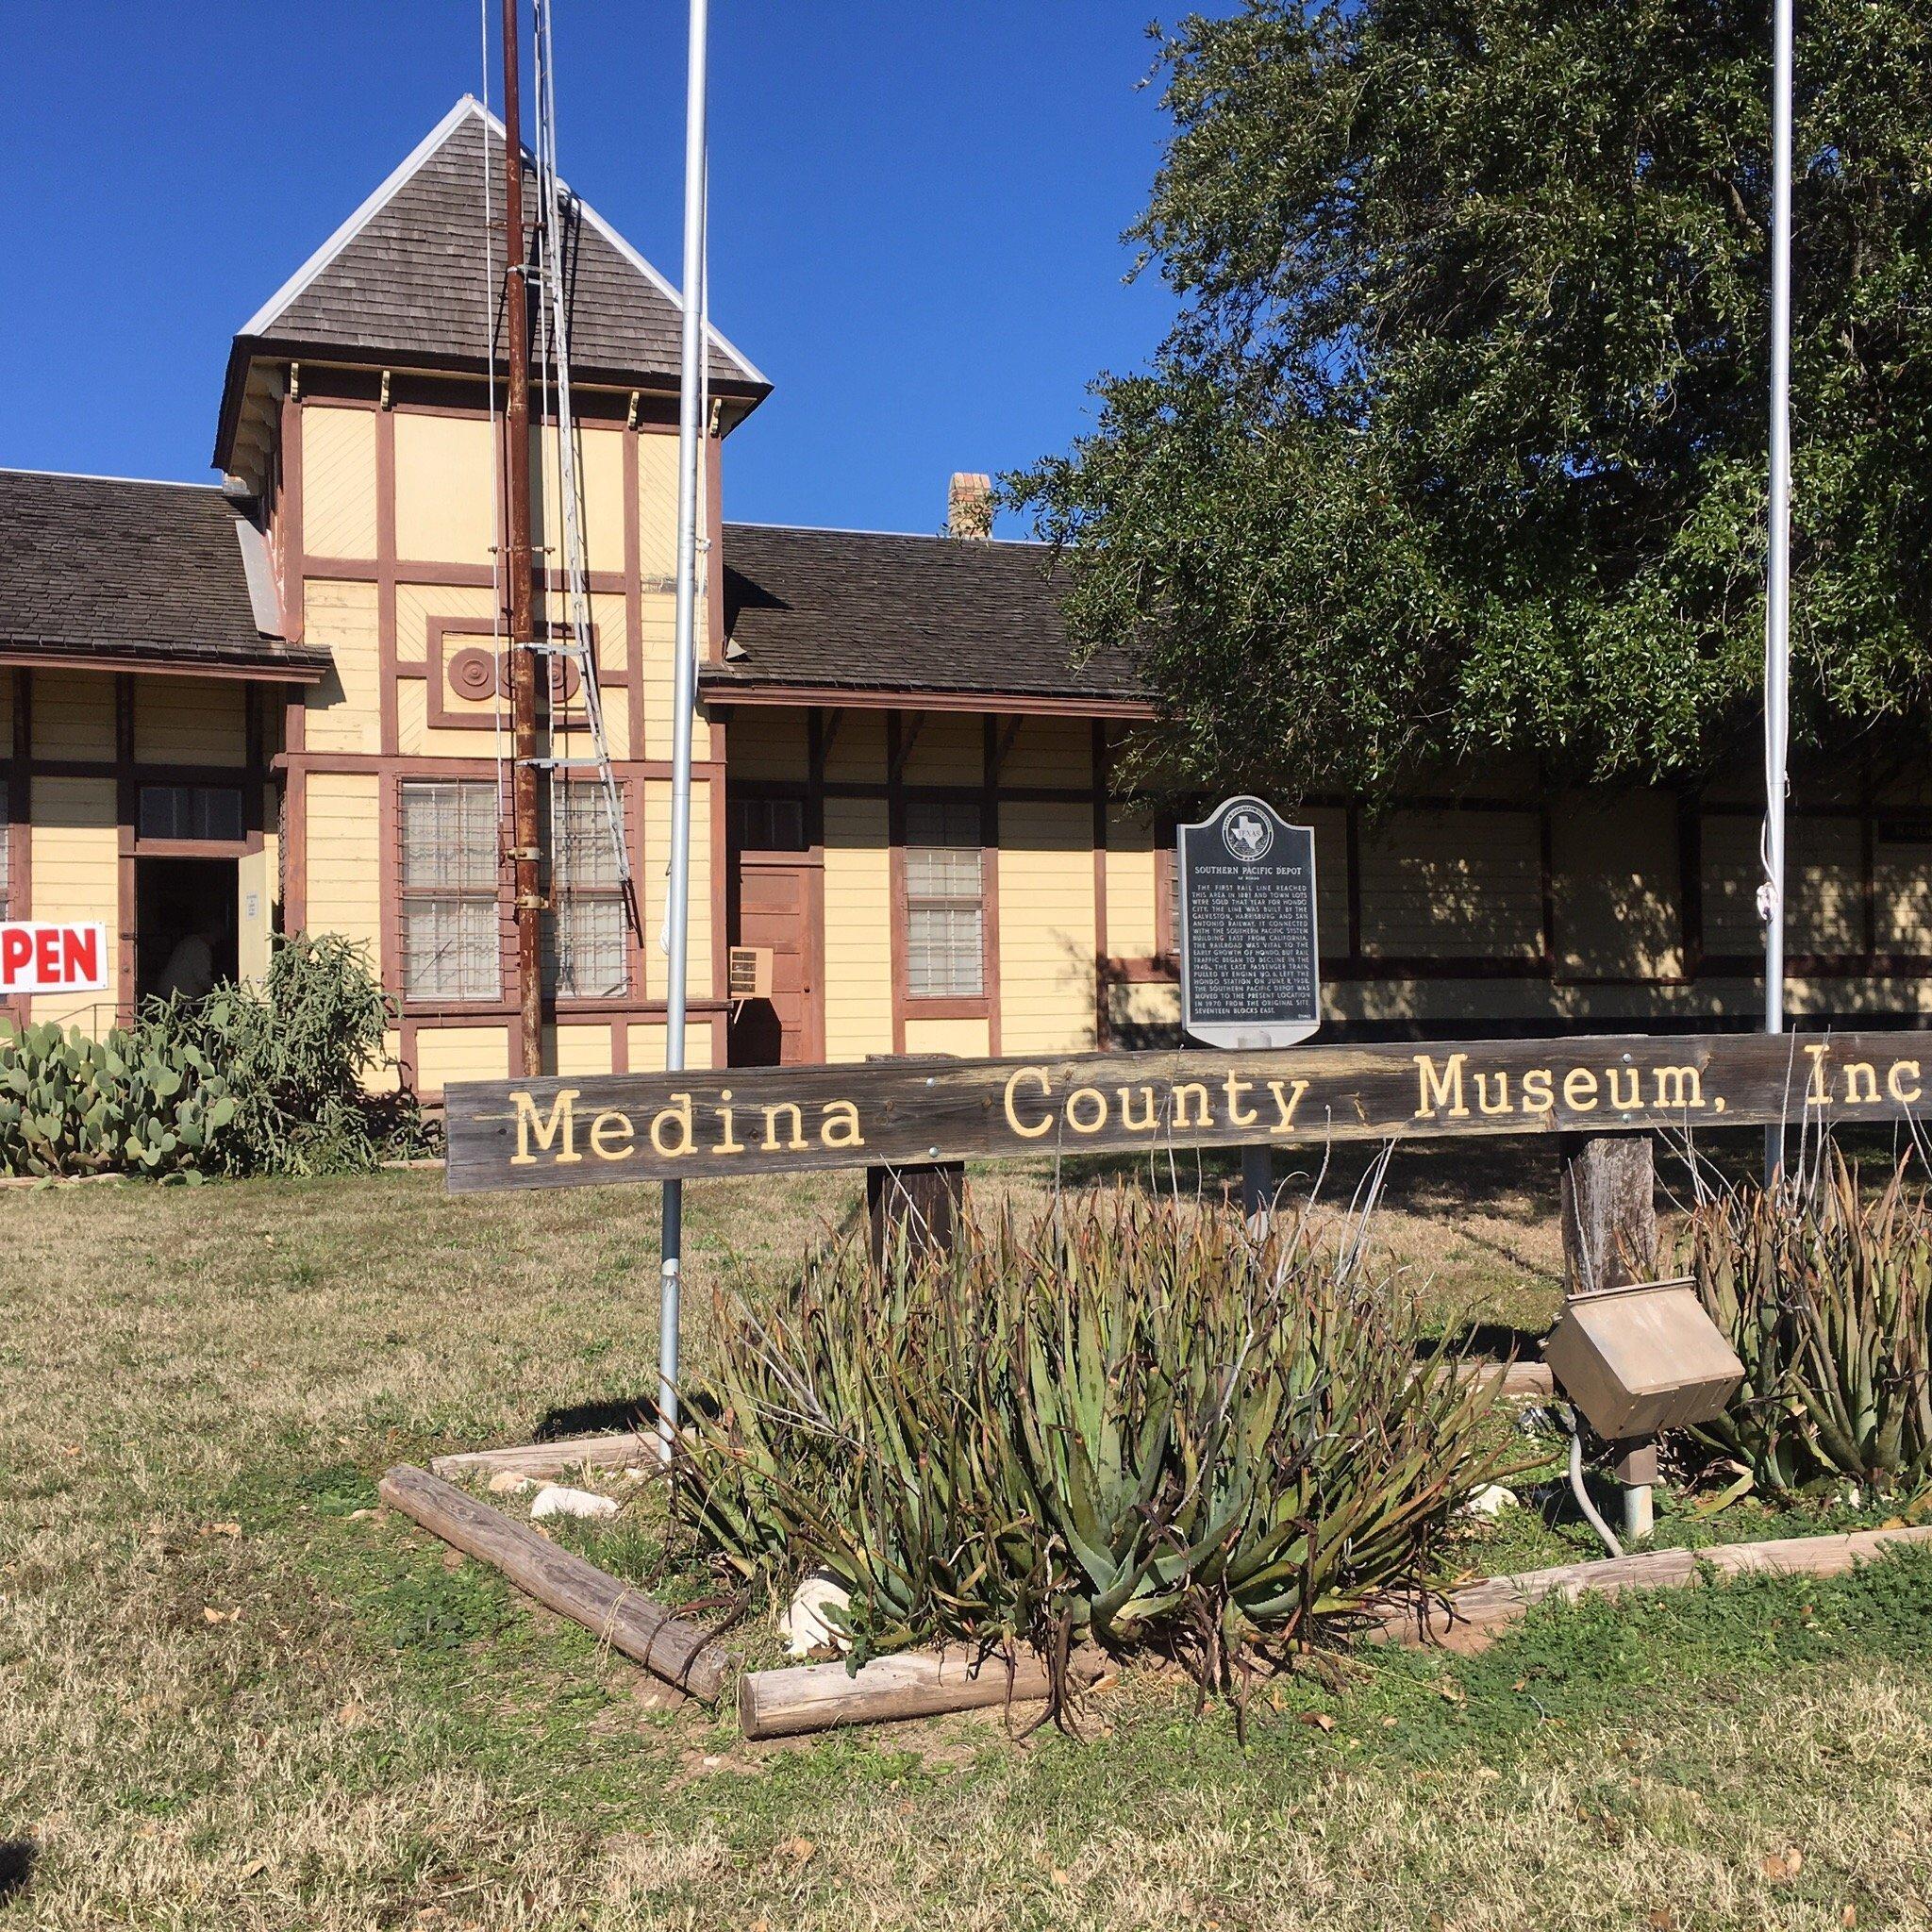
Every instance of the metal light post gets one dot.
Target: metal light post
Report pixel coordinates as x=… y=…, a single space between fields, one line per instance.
x=1777 y=615
x=677 y=907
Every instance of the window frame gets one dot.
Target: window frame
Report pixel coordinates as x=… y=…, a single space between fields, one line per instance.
x=188 y=845
x=1167 y=932
x=615 y=894
x=947 y=1006
x=419 y=1003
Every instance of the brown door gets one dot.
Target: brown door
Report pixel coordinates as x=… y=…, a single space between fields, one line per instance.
x=776 y=897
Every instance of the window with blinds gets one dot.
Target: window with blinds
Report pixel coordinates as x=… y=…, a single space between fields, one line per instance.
x=452 y=947
x=589 y=957
x=945 y=909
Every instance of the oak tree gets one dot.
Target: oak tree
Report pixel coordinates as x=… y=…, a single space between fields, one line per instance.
x=1457 y=445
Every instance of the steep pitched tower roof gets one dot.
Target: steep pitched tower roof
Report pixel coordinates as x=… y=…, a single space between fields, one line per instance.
x=404 y=283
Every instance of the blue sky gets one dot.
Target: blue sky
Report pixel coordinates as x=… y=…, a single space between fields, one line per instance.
x=916 y=212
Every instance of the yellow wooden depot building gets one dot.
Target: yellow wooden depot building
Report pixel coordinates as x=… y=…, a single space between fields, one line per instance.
x=277 y=704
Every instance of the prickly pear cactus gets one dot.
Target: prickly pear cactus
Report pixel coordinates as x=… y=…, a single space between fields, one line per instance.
x=69 y=1105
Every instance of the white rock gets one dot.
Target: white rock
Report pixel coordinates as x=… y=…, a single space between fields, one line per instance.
x=1492 y=1500
x=804 y=1623
x=553 y=1499
x=507 y=1482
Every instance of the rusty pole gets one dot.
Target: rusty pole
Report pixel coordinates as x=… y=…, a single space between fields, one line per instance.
x=525 y=847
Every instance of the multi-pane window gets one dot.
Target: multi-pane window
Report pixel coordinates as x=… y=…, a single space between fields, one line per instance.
x=768 y=825
x=945 y=909
x=191 y=811
x=451 y=939
x=589 y=957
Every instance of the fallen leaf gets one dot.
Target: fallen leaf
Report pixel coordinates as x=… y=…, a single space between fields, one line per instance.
x=1782 y=1867
x=1849 y=1916
x=1318 y=1720
x=210 y=1615
x=1388 y=1724
x=1061 y=1876
x=351 y=1716
x=256 y=1870
x=221 y=1529
x=801 y=1851
x=1663 y=1919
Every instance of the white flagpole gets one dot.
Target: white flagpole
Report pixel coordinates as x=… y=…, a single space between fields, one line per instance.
x=1778 y=617
x=677 y=906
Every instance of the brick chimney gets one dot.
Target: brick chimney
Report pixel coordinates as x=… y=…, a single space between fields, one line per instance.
x=969 y=506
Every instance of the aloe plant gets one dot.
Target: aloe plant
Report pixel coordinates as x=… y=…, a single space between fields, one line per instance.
x=1129 y=1423
x=1825 y=1288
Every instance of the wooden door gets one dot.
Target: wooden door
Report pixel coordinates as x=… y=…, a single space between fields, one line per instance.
x=776 y=901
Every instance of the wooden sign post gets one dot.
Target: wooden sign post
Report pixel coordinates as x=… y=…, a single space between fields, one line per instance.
x=1248 y=945
x=1610 y=1240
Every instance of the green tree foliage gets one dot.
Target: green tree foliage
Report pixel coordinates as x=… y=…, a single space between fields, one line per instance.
x=1459 y=442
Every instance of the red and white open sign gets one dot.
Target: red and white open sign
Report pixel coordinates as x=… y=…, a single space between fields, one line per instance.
x=38 y=956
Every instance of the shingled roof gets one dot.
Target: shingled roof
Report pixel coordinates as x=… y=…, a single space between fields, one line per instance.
x=406 y=280
x=833 y=610
x=131 y=574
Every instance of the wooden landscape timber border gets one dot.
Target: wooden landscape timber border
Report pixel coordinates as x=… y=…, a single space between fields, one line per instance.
x=680 y=1653
x=596 y=1129
x=539 y=1460
x=911 y=1684
x=1471 y=1618
x=908 y=1684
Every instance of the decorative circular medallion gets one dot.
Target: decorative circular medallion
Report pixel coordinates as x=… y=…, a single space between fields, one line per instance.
x=473 y=674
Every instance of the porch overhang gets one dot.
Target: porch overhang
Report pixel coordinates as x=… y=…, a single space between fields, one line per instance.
x=725 y=690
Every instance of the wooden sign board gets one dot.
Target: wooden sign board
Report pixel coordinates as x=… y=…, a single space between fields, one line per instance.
x=556 y=1133
x=1249 y=977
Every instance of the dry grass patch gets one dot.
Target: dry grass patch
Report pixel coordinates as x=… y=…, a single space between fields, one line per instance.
x=232 y=1695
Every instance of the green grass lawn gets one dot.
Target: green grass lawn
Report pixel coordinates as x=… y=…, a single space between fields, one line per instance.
x=235 y=1694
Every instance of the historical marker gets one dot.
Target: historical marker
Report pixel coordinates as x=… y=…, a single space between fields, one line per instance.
x=1249 y=971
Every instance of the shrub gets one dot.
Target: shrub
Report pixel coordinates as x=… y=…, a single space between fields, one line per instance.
x=69 y=1105
x=1827 y=1295
x=267 y=1079
x=1130 y=1422
x=301 y=1052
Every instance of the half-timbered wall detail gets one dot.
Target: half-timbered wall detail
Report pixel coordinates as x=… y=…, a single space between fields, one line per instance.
x=391 y=530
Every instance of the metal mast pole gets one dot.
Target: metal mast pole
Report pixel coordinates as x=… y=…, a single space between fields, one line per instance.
x=525 y=834
x=1777 y=615
x=677 y=909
